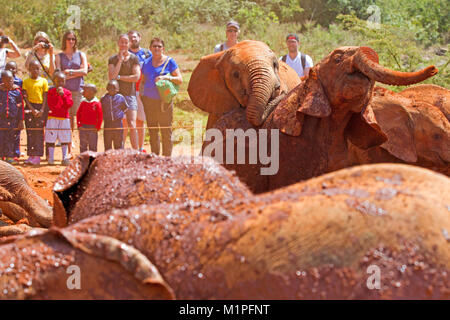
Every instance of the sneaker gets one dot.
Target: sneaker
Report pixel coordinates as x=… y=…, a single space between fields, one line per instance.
x=143 y=150
x=65 y=162
x=69 y=156
x=12 y=161
x=29 y=160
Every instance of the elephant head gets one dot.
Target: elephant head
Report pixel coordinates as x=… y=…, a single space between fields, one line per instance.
x=418 y=132
x=94 y=183
x=343 y=83
x=247 y=75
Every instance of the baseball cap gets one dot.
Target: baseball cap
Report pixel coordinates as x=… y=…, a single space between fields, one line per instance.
x=233 y=23
x=292 y=36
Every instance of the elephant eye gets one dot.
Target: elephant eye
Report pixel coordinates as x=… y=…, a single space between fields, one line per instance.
x=338 y=58
x=275 y=64
x=236 y=74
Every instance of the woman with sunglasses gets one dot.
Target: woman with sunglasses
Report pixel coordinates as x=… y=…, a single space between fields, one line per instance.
x=74 y=64
x=158 y=114
x=43 y=50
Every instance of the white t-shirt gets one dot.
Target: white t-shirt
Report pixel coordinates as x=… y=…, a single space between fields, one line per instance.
x=217 y=47
x=296 y=64
x=3 y=52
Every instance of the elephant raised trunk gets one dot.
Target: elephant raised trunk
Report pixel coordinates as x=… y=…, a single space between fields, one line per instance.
x=263 y=84
x=366 y=61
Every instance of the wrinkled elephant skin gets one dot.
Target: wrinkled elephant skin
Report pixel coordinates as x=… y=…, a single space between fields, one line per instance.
x=313 y=240
x=95 y=183
x=19 y=202
x=40 y=265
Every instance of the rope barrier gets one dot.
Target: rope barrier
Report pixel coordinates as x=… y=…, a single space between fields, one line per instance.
x=102 y=129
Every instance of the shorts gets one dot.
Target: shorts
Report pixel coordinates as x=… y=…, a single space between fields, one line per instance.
x=132 y=102
x=141 y=112
x=76 y=97
x=64 y=136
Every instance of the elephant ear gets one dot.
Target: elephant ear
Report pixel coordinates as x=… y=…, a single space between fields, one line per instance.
x=308 y=98
x=289 y=79
x=66 y=182
x=364 y=131
x=207 y=88
x=314 y=101
x=397 y=124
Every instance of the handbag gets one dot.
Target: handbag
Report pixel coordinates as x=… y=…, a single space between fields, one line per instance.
x=166 y=88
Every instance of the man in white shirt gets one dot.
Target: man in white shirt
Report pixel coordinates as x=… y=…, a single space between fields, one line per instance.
x=232 y=36
x=7 y=53
x=298 y=61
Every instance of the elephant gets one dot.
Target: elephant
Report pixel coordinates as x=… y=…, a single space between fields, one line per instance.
x=418 y=132
x=20 y=203
x=325 y=238
x=433 y=94
x=314 y=121
x=95 y=183
x=247 y=75
x=46 y=264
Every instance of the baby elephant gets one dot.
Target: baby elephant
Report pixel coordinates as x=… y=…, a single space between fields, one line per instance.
x=416 y=126
x=96 y=183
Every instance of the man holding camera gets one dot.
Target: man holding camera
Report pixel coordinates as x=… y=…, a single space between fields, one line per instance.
x=7 y=53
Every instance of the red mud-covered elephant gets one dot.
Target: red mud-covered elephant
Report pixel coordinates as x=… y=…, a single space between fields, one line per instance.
x=417 y=129
x=368 y=232
x=247 y=75
x=316 y=120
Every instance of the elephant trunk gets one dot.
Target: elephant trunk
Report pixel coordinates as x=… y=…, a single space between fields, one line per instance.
x=366 y=61
x=263 y=84
x=35 y=206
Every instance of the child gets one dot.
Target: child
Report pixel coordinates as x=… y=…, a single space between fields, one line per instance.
x=59 y=101
x=11 y=116
x=89 y=117
x=113 y=106
x=36 y=88
x=12 y=66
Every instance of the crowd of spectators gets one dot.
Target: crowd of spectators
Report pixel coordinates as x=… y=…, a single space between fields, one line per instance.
x=54 y=99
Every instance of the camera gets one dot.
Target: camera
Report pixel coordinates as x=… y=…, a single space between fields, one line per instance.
x=45 y=45
x=4 y=39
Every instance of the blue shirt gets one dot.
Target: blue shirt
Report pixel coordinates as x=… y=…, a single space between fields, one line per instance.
x=73 y=84
x=113 y=107
x=151 y=73
x=142 y=55
x=11 y=106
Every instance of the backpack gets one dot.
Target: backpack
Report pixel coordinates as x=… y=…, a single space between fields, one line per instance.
x=302 y=57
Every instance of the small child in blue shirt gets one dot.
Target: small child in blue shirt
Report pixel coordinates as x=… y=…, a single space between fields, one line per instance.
x=12 y=66
x=11 y=116
x=114 y=107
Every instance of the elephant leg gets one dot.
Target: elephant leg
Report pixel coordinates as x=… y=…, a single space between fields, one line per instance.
x=16 y=213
